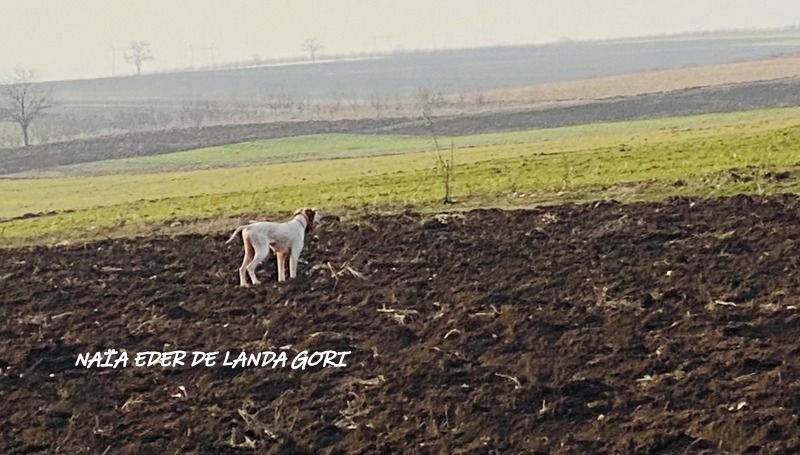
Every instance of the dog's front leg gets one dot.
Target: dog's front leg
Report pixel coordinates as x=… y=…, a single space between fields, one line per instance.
x=281 y=257
x=293 y=259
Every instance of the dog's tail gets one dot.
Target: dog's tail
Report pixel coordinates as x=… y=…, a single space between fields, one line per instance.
x=235 y=233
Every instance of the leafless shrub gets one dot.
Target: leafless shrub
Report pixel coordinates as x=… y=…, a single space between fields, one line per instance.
x=196 y=113
x=281 y=102
x=378 y=103
x=480 y=99
x=428 y=100
x=334 y=106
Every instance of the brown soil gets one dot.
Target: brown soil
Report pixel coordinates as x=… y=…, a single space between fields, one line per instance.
x=601 y=328
x=662 y=80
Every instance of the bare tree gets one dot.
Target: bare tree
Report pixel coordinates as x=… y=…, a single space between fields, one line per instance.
x=137 y=54
x=444 y=164
x=23 y=100
x=312 y=46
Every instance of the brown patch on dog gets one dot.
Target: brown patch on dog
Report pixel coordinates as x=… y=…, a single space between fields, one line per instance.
x=308 y=214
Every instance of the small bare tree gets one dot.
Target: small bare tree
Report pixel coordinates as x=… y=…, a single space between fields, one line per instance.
x=312 y=46
x=445 y=165
x=23 y=100
x=137 y=54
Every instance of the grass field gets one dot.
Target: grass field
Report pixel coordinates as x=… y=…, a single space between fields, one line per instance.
x=634 y=160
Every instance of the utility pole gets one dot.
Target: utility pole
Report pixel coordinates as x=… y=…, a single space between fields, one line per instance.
x=114 y=51
x=194 y=50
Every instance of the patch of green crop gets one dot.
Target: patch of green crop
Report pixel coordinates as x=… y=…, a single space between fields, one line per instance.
x=706 y=161
x=337 y=146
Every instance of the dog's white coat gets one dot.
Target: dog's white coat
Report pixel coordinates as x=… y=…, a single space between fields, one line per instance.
x=284 y=239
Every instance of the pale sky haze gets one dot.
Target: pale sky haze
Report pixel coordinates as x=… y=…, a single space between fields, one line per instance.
x=72 y=38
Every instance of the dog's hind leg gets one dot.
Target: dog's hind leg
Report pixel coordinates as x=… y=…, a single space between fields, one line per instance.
x=261 y=252
x=248 y=256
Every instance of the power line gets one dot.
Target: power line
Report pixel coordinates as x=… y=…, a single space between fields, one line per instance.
x=209 y=50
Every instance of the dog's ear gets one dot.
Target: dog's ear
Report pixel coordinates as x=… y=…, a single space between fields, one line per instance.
x=311 y=215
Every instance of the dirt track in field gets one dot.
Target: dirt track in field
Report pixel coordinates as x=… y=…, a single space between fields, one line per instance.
x=603 y=328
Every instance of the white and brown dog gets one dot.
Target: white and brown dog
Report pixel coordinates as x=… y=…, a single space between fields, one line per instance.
x=284 y=239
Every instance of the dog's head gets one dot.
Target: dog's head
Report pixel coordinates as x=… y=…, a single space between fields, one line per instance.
x=310 y=215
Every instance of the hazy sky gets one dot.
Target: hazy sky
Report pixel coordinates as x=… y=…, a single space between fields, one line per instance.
x=72 y=38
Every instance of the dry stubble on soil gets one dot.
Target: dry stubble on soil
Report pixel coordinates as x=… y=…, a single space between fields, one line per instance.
x=603 y=313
